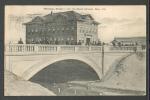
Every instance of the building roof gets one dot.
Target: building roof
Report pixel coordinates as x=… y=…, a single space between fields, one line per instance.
x=37 y=20
x=120 y=39
x=69 y=15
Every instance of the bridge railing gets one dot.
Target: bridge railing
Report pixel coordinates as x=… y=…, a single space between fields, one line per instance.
x=38 y=48
x=126 y=48
x=122 y=48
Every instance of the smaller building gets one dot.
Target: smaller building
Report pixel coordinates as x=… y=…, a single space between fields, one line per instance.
x=129 y=41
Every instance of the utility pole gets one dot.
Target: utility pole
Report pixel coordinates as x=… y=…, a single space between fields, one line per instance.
x=103 y=58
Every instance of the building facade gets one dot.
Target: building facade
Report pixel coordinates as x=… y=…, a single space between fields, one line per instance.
x=62 y=28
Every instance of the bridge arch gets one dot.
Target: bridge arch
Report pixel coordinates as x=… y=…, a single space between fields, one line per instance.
x=48 y=61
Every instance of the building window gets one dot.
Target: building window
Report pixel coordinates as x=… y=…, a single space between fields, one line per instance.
x=80 y=31
x=50 y=39
x=36 y=30
x=49 y=30
x=87 y=31
x=28 y=30
x=58 y=29
x=68 y=38
x=71 y=38
x=31 y=33
x=67 y=28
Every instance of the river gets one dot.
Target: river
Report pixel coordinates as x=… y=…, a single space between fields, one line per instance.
x=86 y=88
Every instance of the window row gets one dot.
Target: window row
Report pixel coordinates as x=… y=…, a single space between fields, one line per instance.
x=52 y=39
x=50 y=33
x=49 y=29
x=88 y=31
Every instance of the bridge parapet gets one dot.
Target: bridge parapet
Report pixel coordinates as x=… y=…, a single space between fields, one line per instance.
x=50 y=49
x=127 y=48
x=38 y=48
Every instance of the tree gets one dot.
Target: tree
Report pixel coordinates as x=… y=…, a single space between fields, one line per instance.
x=119 y=44
x=20 y=41
x=113 y=43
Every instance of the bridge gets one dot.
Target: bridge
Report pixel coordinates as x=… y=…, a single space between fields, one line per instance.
x=25 y=60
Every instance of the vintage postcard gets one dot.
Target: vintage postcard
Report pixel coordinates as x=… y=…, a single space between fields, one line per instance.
x=72 y=50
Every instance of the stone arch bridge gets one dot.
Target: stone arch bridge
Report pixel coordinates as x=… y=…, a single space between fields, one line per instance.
x=25 y=60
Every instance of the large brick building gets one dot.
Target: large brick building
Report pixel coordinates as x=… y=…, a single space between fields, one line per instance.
x=67 y=27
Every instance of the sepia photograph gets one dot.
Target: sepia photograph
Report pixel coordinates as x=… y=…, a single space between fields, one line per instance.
x=75 y=50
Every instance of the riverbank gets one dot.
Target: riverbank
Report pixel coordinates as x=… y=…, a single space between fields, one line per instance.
x=128 y=76
x=15 y=86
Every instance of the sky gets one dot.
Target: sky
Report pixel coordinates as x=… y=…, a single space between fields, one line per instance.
x=115 y=20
